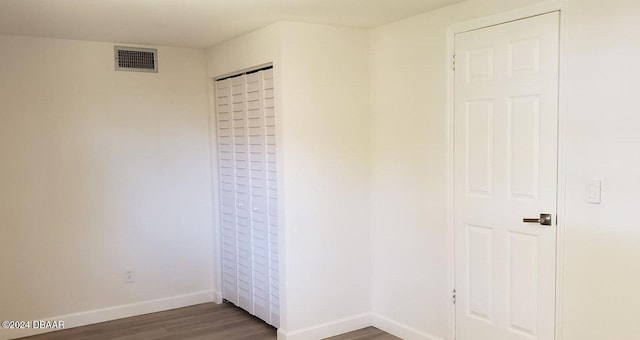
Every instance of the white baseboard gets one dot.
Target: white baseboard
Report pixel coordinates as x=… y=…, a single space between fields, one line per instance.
x=321 y=331
x=217 y=296
x=117 y=312
x=400 y=330
x=328 y=329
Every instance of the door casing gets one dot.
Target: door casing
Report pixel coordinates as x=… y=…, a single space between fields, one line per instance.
x=501 y=18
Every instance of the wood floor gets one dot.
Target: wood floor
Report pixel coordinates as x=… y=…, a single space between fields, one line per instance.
x=201 y=322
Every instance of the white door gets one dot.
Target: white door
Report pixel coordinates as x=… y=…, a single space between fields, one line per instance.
x=248 y=196
x=227 y=185
x=506 y=132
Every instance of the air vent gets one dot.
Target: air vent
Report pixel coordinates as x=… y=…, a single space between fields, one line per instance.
x=136 y=59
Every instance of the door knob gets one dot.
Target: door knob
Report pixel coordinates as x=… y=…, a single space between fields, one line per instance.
x=545 y=219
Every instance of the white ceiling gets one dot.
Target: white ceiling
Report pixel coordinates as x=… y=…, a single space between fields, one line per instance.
x=192 y=23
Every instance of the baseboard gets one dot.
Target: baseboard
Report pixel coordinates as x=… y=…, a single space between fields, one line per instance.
x=117 y=312
x=217 y=296
x=328 y=329
x=400 y=330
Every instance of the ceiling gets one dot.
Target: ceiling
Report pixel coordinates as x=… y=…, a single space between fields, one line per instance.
x=191 y=23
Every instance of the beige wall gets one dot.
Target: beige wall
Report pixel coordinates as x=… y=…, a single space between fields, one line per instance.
x=100 y=171
x=321 y=75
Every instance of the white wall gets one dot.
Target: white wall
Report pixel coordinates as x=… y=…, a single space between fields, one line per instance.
x=322 y=104
x=326 y=171
x=408 y=91
x=101 y=171
x=602 y=259
x=408 y=213
x=247 y=51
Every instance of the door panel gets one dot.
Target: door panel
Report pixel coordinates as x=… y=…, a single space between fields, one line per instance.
x=523 y=147
x=271 y=197
x=480 y=280
x=506 y=113
x=227 y=191
x=479 y=154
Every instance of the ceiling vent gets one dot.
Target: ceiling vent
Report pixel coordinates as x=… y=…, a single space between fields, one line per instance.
x=136 y=59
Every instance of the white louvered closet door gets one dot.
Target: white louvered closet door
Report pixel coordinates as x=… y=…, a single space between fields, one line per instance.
x=248 y=192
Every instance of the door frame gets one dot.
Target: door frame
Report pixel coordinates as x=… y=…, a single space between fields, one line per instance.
x=492 y=20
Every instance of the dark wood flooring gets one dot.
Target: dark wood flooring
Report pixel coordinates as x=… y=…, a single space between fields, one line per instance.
x=369 y=333
x=201 y=322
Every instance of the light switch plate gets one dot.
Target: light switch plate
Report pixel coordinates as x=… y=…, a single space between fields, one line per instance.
x=594 y=191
